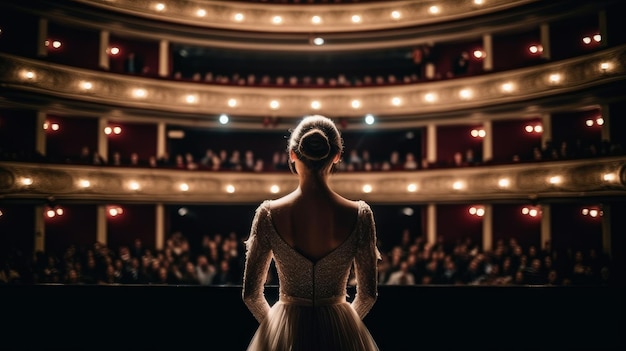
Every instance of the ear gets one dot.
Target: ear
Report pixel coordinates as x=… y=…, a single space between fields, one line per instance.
x=292 y=156
x=336 y=158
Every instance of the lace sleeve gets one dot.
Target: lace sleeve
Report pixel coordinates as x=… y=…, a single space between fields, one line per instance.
x=258 y=259
x=366 y=265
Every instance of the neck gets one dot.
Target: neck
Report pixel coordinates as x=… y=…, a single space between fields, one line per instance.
x=314 y=183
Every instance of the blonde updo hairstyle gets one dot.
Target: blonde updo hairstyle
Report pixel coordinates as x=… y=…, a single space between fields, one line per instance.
x=315 y=141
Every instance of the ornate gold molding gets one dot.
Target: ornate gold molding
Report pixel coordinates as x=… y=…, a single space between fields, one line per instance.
x=333 y=17
x=604 y=177
x=564 y=78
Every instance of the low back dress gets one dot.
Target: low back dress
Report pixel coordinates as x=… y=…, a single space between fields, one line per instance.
x=312 y=312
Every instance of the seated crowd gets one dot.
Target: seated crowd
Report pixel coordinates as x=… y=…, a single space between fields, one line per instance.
x=353 y=159
x=219 y=260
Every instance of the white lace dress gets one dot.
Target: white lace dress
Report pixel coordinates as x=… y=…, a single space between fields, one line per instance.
x=312 y=312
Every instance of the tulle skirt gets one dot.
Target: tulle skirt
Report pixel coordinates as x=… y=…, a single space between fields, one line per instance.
x=293 y=324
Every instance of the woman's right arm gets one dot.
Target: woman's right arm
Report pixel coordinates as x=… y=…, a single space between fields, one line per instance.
x=258 y=259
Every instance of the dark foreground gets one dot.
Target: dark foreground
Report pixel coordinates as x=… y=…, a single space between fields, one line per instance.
x=47 y=317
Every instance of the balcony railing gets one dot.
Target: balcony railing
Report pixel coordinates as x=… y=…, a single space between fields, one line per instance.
x=592 y=178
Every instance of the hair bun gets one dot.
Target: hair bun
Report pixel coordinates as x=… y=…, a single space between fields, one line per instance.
x=314 y=145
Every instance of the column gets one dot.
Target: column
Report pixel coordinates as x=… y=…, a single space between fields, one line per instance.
x=160 y=226
x=101 y=224
x=431 y=143
x=488 y=142
x=546 y=224
x=488 y=48
x=161 y=139
x=40 y=230
x=40 y=133
x=544 y=30
x=546 y=123
x=606 y=127
x=103 y=142
x=606 y=229
x=602 y=26
x=164 y=58
x=488 y=228
x=103 y=54
x=42 y=36
x=431 y=223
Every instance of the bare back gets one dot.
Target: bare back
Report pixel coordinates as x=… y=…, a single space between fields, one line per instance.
x=314 y=225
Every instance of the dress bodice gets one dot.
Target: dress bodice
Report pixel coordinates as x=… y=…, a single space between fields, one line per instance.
x=303 y=278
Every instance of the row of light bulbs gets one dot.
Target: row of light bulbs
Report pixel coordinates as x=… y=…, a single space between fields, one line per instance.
x=366 y=188
x=274 y=104
x=315 y=19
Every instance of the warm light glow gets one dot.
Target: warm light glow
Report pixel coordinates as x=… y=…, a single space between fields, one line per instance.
x=28 y=74
x=480 y=212
x=140 y=93
x=533 y=212
x=504 y=182
x=201 y=12
x=600 y=121
x=55 y=126
x=367 y=188
x=528 y=129
x=232 y=102
x=585 y=211
x=587 y=40
x=230 y=188
x=430 y=97
x=593 y=213
x=46 y=125
x=115 y=211
x=108 y=130
x=369 y=119
x=274 y=104
x=507 y=87
x=191 y=99
x=434 y=10
x=134 y=185
x=277 y=20
x=609 y=177
x=56 y=44
x=605 y=66
x=465 y=94
x=458 y=185
x=117 y=130
x=396 y=14
x=396 y=101
x=27 y=181
x=113 y=51
x=597 y=38
x=50 y=213
x=356 y=19
x=316 y=105
x=356 y=103
x=60 y=211
x=589 y=122
x=555 y=180
x=183 y=187
x=84 y=183
x=412 y=187
x=535 y=49
x=538 y=128
x=86 y=85
x=555 y=78
x=238 y=17
x=525 y=210
x=274 y=189
x=472 y=210
x=478 y=2
x=478 y=133
x=479 y=54
x=159 y=7
x=316 y=19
